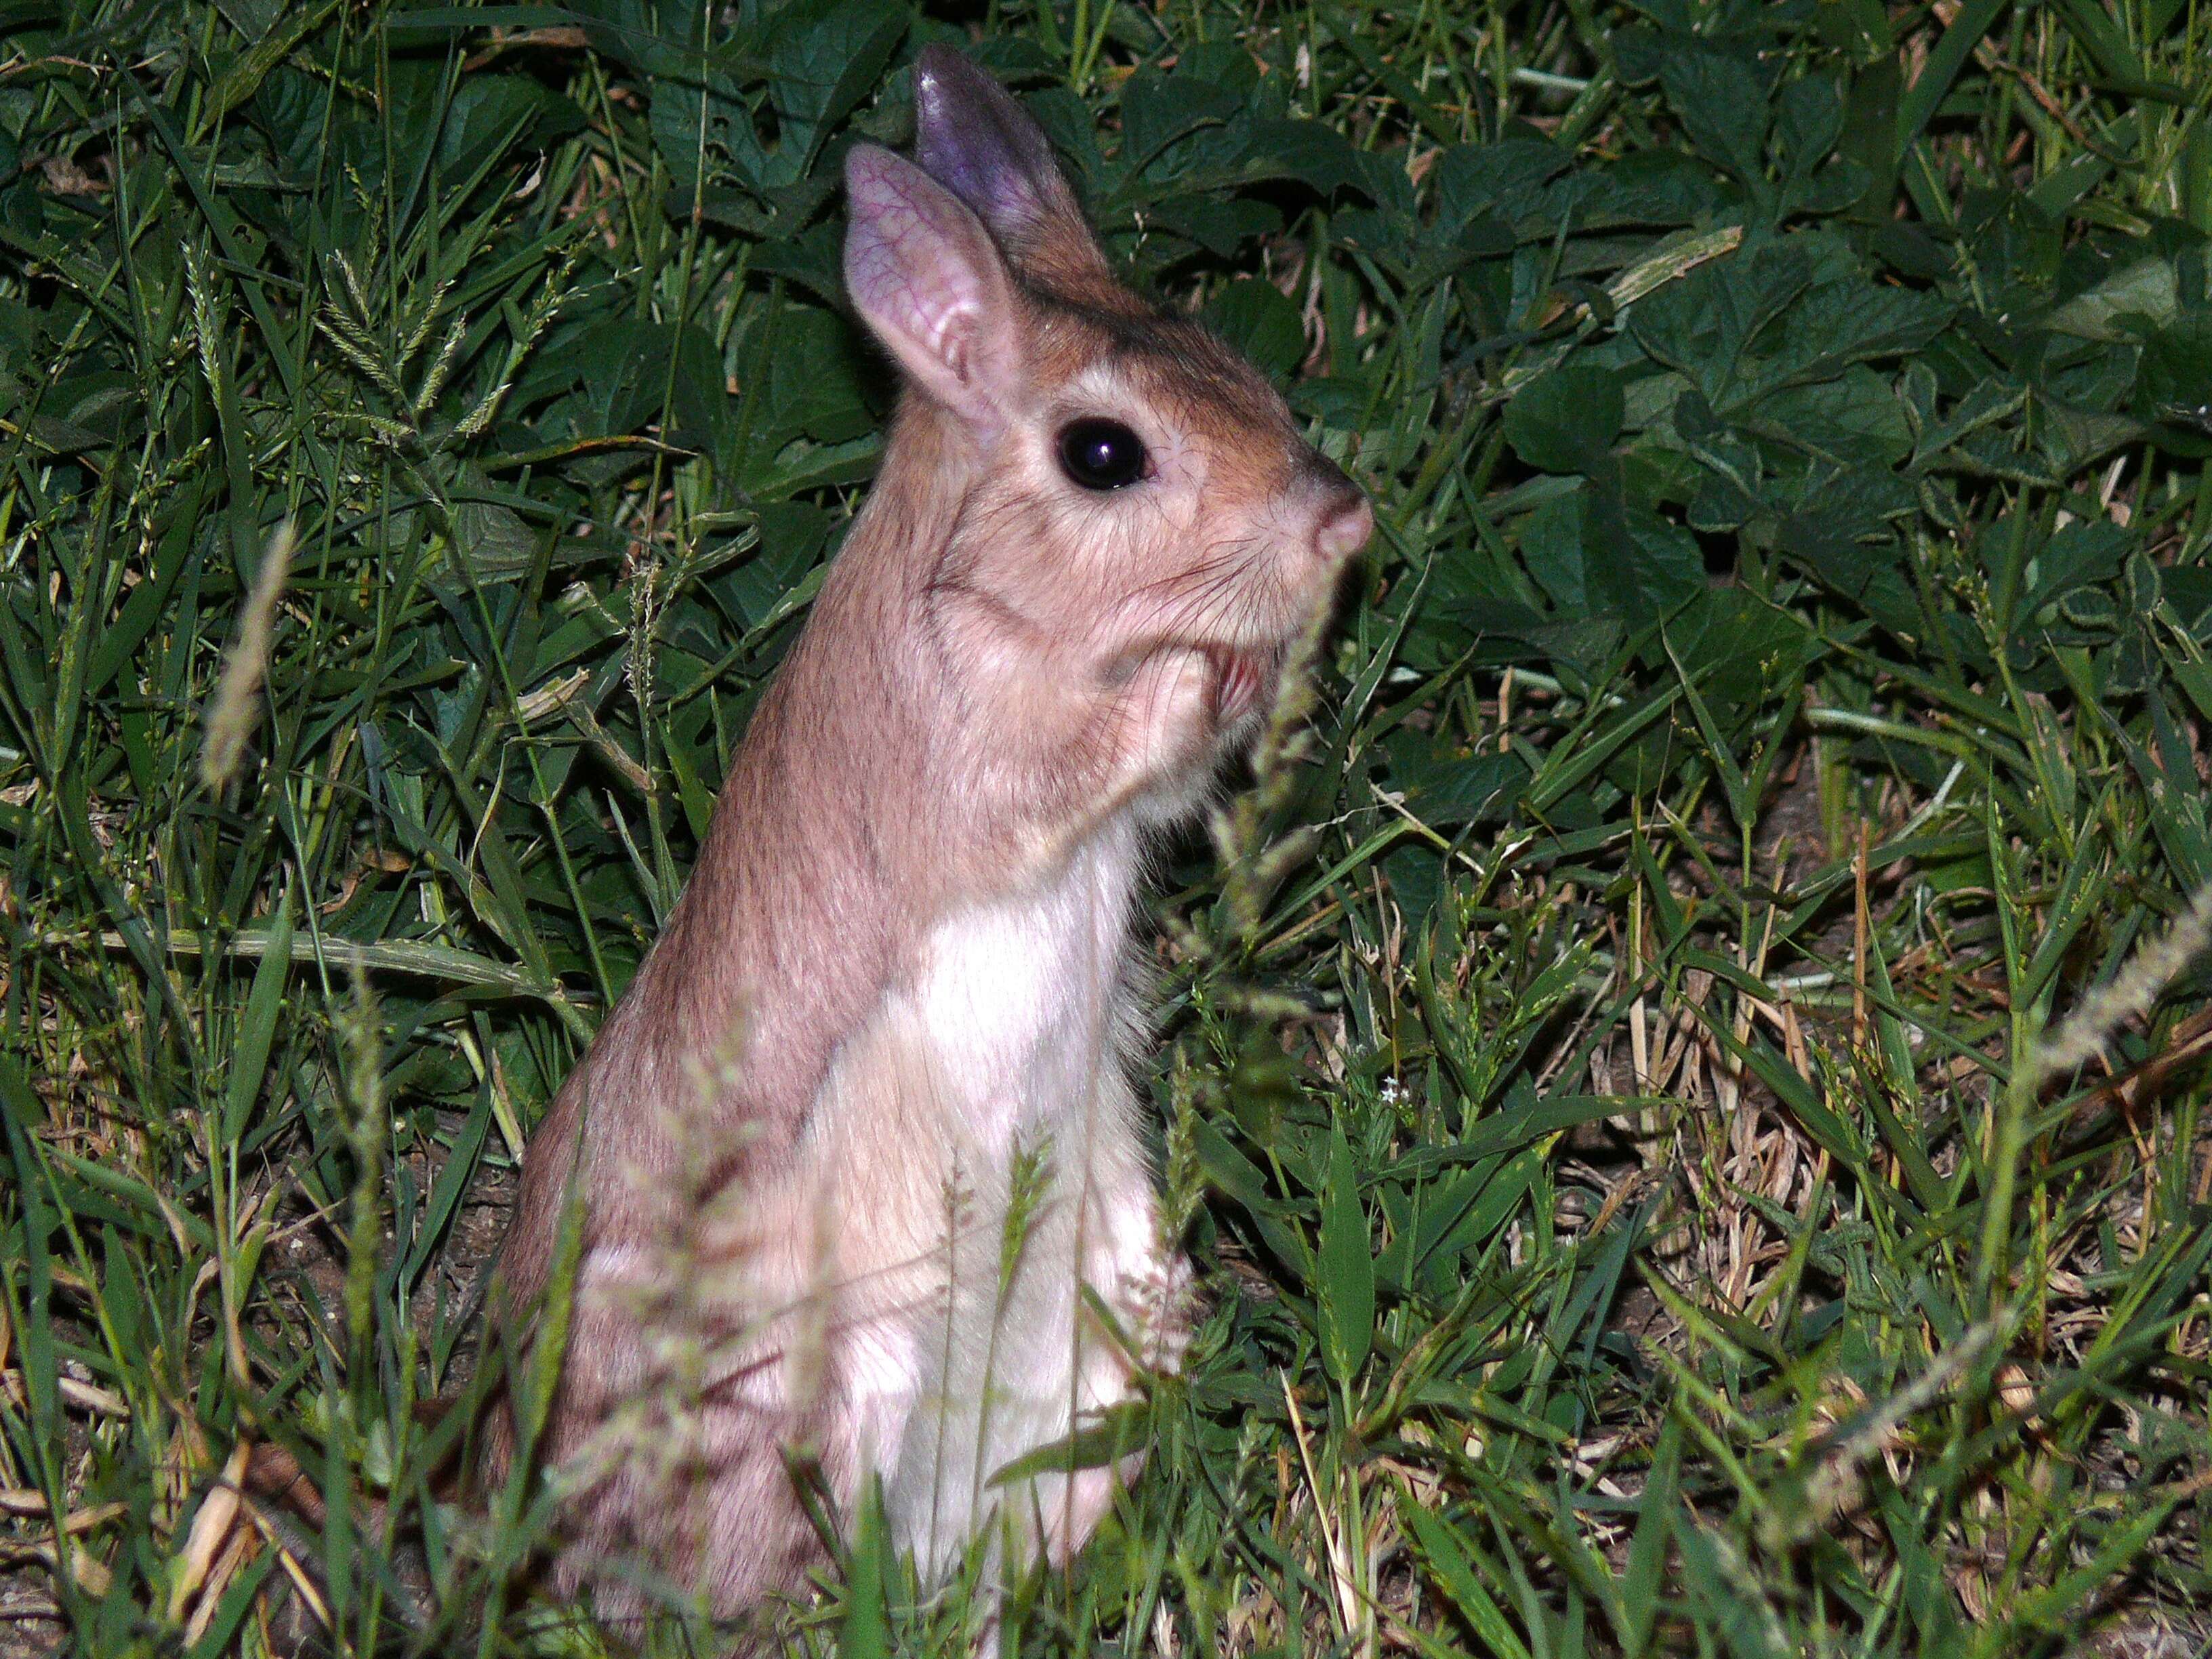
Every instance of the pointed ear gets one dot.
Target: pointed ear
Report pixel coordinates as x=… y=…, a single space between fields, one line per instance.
x=928 y=283
x=972 y=137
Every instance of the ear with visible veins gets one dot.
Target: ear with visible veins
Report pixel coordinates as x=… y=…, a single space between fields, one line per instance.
x=930 y=284
x=972 y=137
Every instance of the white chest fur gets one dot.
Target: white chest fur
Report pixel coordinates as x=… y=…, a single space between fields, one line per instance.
x=1016 y=1000
x=994 y=1072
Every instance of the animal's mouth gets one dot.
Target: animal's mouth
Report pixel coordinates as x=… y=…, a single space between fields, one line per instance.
x=1243 y=680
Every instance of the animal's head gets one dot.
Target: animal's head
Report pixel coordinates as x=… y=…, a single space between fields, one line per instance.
x=1138 y=488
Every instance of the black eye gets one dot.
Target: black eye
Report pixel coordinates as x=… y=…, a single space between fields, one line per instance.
x=1101 y=455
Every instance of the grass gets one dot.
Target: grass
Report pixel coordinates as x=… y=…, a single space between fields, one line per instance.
x=1687 y=1089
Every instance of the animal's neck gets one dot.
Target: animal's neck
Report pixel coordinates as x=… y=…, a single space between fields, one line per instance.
x=910 y=517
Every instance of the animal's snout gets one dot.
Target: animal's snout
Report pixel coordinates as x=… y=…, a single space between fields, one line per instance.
x=1342 y=520
x=1344 y=523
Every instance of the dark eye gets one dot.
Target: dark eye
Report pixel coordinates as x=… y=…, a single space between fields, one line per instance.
x=1101 y=455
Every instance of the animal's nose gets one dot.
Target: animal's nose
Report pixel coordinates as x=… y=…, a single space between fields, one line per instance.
x=1346 y=521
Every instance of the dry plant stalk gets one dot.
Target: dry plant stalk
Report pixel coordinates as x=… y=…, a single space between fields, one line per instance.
x=232 y=711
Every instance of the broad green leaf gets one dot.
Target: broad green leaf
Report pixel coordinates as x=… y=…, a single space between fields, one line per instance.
x=1254 y=316
x=1344 y=1266
x=1566 y=421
